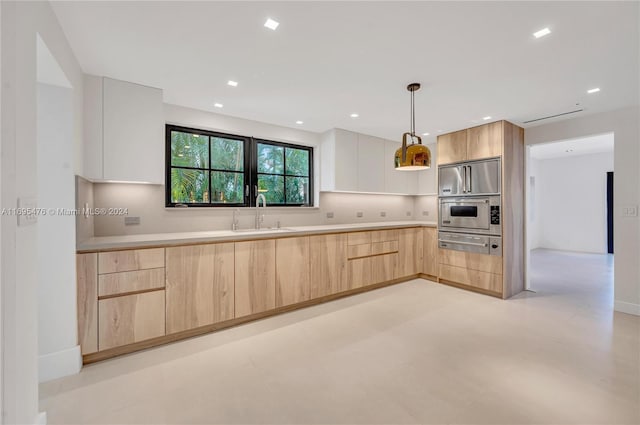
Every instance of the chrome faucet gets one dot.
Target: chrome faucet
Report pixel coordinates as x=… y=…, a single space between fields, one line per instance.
x=260 y=217
x=235 y=222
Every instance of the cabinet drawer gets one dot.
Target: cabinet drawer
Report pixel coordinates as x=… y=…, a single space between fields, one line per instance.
x=135 y=259
x=130 y=318
x=385 y=235
x=383 y=267
x=384 y=247
x=124 y=282
x=483 y=280
x=359 y=238
x=356 y=251
x=472 y=261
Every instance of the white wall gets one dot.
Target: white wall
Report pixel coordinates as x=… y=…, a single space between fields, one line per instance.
x=570 y=202
x=21 y=22
x=625 y=124
x=59 y=352
x=147 y=202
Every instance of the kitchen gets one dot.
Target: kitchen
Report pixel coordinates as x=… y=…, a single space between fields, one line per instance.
x=344 y=240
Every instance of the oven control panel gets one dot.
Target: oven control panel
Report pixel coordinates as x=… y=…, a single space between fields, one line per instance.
x=495 y=214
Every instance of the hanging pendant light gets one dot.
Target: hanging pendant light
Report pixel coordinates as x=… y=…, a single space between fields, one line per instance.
x=415 y=156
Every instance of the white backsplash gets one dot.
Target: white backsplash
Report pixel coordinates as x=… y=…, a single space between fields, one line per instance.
x=147 y=202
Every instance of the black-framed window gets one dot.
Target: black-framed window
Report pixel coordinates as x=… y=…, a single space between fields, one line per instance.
x=210 y=169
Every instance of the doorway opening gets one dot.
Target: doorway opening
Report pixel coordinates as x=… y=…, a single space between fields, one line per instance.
x=569 y=197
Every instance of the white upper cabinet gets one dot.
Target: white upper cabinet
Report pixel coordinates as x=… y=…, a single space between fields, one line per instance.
x=354 y=162
x=124 y=131
x=371 y=164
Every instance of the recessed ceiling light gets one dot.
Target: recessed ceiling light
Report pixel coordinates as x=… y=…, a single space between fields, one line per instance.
x=218 y=105
x=425 y=134
x=542 y=32
x=232 y=83
x=299 y=122
x=439 y=131
x=354 y=115
x=596 y=90
x=486 y=118
x=271 y=24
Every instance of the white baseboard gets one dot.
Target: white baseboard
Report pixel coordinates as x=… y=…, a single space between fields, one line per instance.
x=59 y=364
x=41 y=419
x=628 y=308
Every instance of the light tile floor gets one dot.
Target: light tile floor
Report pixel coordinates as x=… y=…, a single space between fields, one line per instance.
x=417 y=352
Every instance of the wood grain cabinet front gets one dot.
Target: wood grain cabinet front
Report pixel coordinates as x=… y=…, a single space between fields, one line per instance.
x=130 y=318
x=292 y=271
x=409 y=252
x=452 y=147
x=328 y=264
x=484 y=141
x=255 y=271
x=200 y=285
x=430 y=251
x=87 y=301
x=134 y=259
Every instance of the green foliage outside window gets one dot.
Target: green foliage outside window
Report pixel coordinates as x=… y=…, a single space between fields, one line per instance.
x=209 y=169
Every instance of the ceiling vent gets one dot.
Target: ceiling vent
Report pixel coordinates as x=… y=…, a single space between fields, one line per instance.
x=552 y=116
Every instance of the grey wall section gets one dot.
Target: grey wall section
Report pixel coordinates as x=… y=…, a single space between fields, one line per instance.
x=625 y=124
x=21 y=22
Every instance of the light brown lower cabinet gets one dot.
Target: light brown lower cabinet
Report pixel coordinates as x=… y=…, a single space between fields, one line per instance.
x=410 y=252
x=255 y=272
x=292 y=271
x=384 y=268
x=359 y=273
x=200 y=285
x=87 y=301
x=476 y=270
x=328 y=264
x=130 y=318
x=430 y=251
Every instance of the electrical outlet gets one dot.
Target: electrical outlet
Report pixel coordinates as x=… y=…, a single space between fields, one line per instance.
x=425 y=213
x=330 y=215
x=630 y=211
x=383 y=213
x=408 y=213
x=359 y=214
x=130 y=221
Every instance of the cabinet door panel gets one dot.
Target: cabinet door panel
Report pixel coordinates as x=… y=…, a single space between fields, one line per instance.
x=410 y=252
x=484 y=141
x=130 y=318
x=452 y=147
x=371 y=160
x=383 y=268
x=292 y=271
x=359 y=273
x=328 y=255
x=255 y=277
x=199 y=284
x=477 y=279
x=87 y=302
x=430 y=251
x=132 y=112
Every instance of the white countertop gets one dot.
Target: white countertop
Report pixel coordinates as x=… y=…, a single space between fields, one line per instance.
x=160 y=239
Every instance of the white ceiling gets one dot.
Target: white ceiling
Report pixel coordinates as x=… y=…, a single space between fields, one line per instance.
x=327 y=60
x=602 y=143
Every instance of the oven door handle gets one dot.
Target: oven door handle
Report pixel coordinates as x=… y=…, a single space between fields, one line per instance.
x=469 y=201
x=468 y=175
x=484 y=245
x=464 y=179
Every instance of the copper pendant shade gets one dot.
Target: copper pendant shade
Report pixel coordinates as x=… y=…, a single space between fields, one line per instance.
x=413 y=156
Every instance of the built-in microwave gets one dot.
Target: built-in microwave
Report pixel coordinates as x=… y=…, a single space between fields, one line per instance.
x=471 y=214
